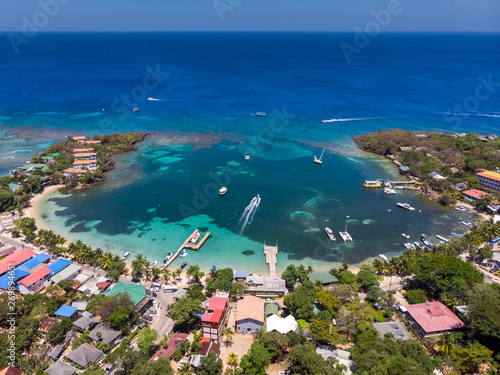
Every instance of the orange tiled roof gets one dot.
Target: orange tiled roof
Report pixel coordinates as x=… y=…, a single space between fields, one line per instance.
x=489 y=174
x=77 y=162
x=79 y=137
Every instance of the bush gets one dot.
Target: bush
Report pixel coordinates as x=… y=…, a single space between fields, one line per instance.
x=177 y=355
x=380 y=317
x=416 y=296
x=446 y=200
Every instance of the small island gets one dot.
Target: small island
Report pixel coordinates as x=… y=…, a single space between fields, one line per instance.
x=447 y=166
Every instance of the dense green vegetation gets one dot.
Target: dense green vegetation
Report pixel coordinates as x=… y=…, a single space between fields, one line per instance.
x=438 y=152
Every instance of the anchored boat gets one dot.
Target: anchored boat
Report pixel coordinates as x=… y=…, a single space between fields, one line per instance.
x=406 y=206
x=318 y=161
x=345 y=235
x=330 y=234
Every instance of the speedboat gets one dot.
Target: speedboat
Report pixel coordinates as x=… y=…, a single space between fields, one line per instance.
x=247 y=156
x=409 y=246
x=135 y=109
x=183 y=265
x=383 y=258
x=183 y=254
x=330 y=234
x=461 y=208
x=154 y=264
x=454 y=234
x=419 y=245
x=169 y=255
x=428 y=244
x=468 y=224
x=195 y=237
x=126 y=255
x=389 y=191
x=256 y=199
x=260 y=114
x=442 y=238
x=405 y=235
x=223 y=190
x=406 y=206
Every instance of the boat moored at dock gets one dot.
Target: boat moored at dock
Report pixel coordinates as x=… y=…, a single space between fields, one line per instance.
x=428 y=243
x=455 y=234
x=406 y=206
x=183 y=254
x=409 y=246
x=372 y=184
x=461 y=208
x=419 y=245
x=468 y=224
x=195 y=237
x=389 y=191
x=154 y=264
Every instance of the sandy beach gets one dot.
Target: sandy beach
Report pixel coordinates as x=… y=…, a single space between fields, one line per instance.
x=33 y=212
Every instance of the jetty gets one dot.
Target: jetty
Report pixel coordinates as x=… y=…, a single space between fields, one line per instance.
x=271 y=253
x=188 y=245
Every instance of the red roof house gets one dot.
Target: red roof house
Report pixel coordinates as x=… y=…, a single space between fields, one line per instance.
x=34 y=282
x=433 y=318
x=215 y=319
x=474 y=194
x=172 y=345
x=15 y=259
x=9 y=370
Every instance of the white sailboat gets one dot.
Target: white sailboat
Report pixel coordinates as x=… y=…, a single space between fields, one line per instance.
x=345 y=235
x=318 y=161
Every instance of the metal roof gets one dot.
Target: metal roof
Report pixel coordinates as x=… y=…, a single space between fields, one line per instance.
x=59 y=265
x=66 y=311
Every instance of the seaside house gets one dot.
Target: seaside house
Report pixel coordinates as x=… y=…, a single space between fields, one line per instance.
x=265 y=286
x=75 y=171
x=66 y=311
x=77 y=151
x=474 y=194
x=34 y=282
x=281 y=325
x=215 y=319
x=240 y=274
x=69 y=272
x=86 y=156
x=79 y=139
x=84 y=355
x=61 y=368
x=324 y=277
x=107 y=334
x=91 y=165
x=432 y=319
x=173 y=344
x=92 y=143
x=138 y=294
x=489 y=180
x=404 y=169
x=395 y=328
x=31 y=168
x=249 y=314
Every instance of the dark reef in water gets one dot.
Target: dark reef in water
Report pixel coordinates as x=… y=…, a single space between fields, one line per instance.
x=248 y=252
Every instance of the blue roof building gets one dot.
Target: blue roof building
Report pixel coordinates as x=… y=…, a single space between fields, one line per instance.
x=66 y=311
x=19 y=274
x=33 y=262
x=59 y=265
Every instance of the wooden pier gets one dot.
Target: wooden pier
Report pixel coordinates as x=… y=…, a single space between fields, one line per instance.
x=188 y=245
x=271 y=253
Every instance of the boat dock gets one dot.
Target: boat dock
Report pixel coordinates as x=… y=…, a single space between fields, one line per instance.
x=271 y=253
x=188 y=245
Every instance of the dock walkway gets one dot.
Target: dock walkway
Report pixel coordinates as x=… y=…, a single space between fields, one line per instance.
x=188 y=245
x=271 y=253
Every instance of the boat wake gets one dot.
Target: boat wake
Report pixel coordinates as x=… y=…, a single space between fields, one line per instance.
x=347 y=119
x=249 y=213
x=156 y=100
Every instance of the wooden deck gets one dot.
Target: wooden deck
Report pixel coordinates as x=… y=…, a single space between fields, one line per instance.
x=271 y=253
x=188 y=245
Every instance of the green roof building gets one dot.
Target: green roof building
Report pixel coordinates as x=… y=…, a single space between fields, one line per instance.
x=136 y=292
x=14 y=187
x=28 y=168
x=324 y=277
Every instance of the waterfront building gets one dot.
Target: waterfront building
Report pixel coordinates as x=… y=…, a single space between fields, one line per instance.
x=34 y=282
x=91 y=165
x=79 y=139
x=86 y=156
x=474 y=194
x=215 y=319
x=75 y=171
x=489 y=180
x=432 y=319
x=265 y=286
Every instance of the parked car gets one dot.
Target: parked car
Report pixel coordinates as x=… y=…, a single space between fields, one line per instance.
x=147 y=317
x=136 y=280
x=109 y=368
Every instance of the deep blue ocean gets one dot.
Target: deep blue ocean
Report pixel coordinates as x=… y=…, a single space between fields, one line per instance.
x=204 y=90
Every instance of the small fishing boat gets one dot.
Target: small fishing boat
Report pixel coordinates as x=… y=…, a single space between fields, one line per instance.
x=195 y=237
x=169 y=255
x=405 y=235
x=260 y=114
x=183 y=265
x=126 y=255
x=468 y=224
x=247 y=156
x=154 y=264
x=461 y=208
x=409 y=246
x=389 y=191
x=442 y=238
x=454 y=234
x=318 y=161
x=183 y=254
x=214 y=268
x=406 y=206
x=330 y=234
x=223 y=190
x=165 y=262
x=135 y=109
x=419 y=245
x=383 y=258
x=428 y=244
x=345 y=235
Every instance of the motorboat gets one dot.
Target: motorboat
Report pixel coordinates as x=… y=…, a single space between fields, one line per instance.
x=419 y=245
x=389 y=191
x=455 y=234
x=154 y=264
x=428 y=244
x=442 y=238
x=330 y=234
x=260 y=114
x=247 y=157
x=183 y=254
x=135 y=109
x=409 y=246
x=405 y=235
x=183 y=265
x=461 y=208
x=169 y=255
x=383 y=258
x=468 y=224
x=406 y=206
x=223 y=190
x=126 y=255
x=195 y=237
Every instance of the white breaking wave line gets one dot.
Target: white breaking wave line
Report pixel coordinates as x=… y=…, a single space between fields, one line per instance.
x=347 y=119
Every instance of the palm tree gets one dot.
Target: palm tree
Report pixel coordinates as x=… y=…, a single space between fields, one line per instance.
x=138 y=264
x=166 y=274
x=379 y=265
x=105 y=261
x=228 y=334
x=185 y=369
x=178 y=272
x=445 y=343
x=156 y=272
x=232 y=360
